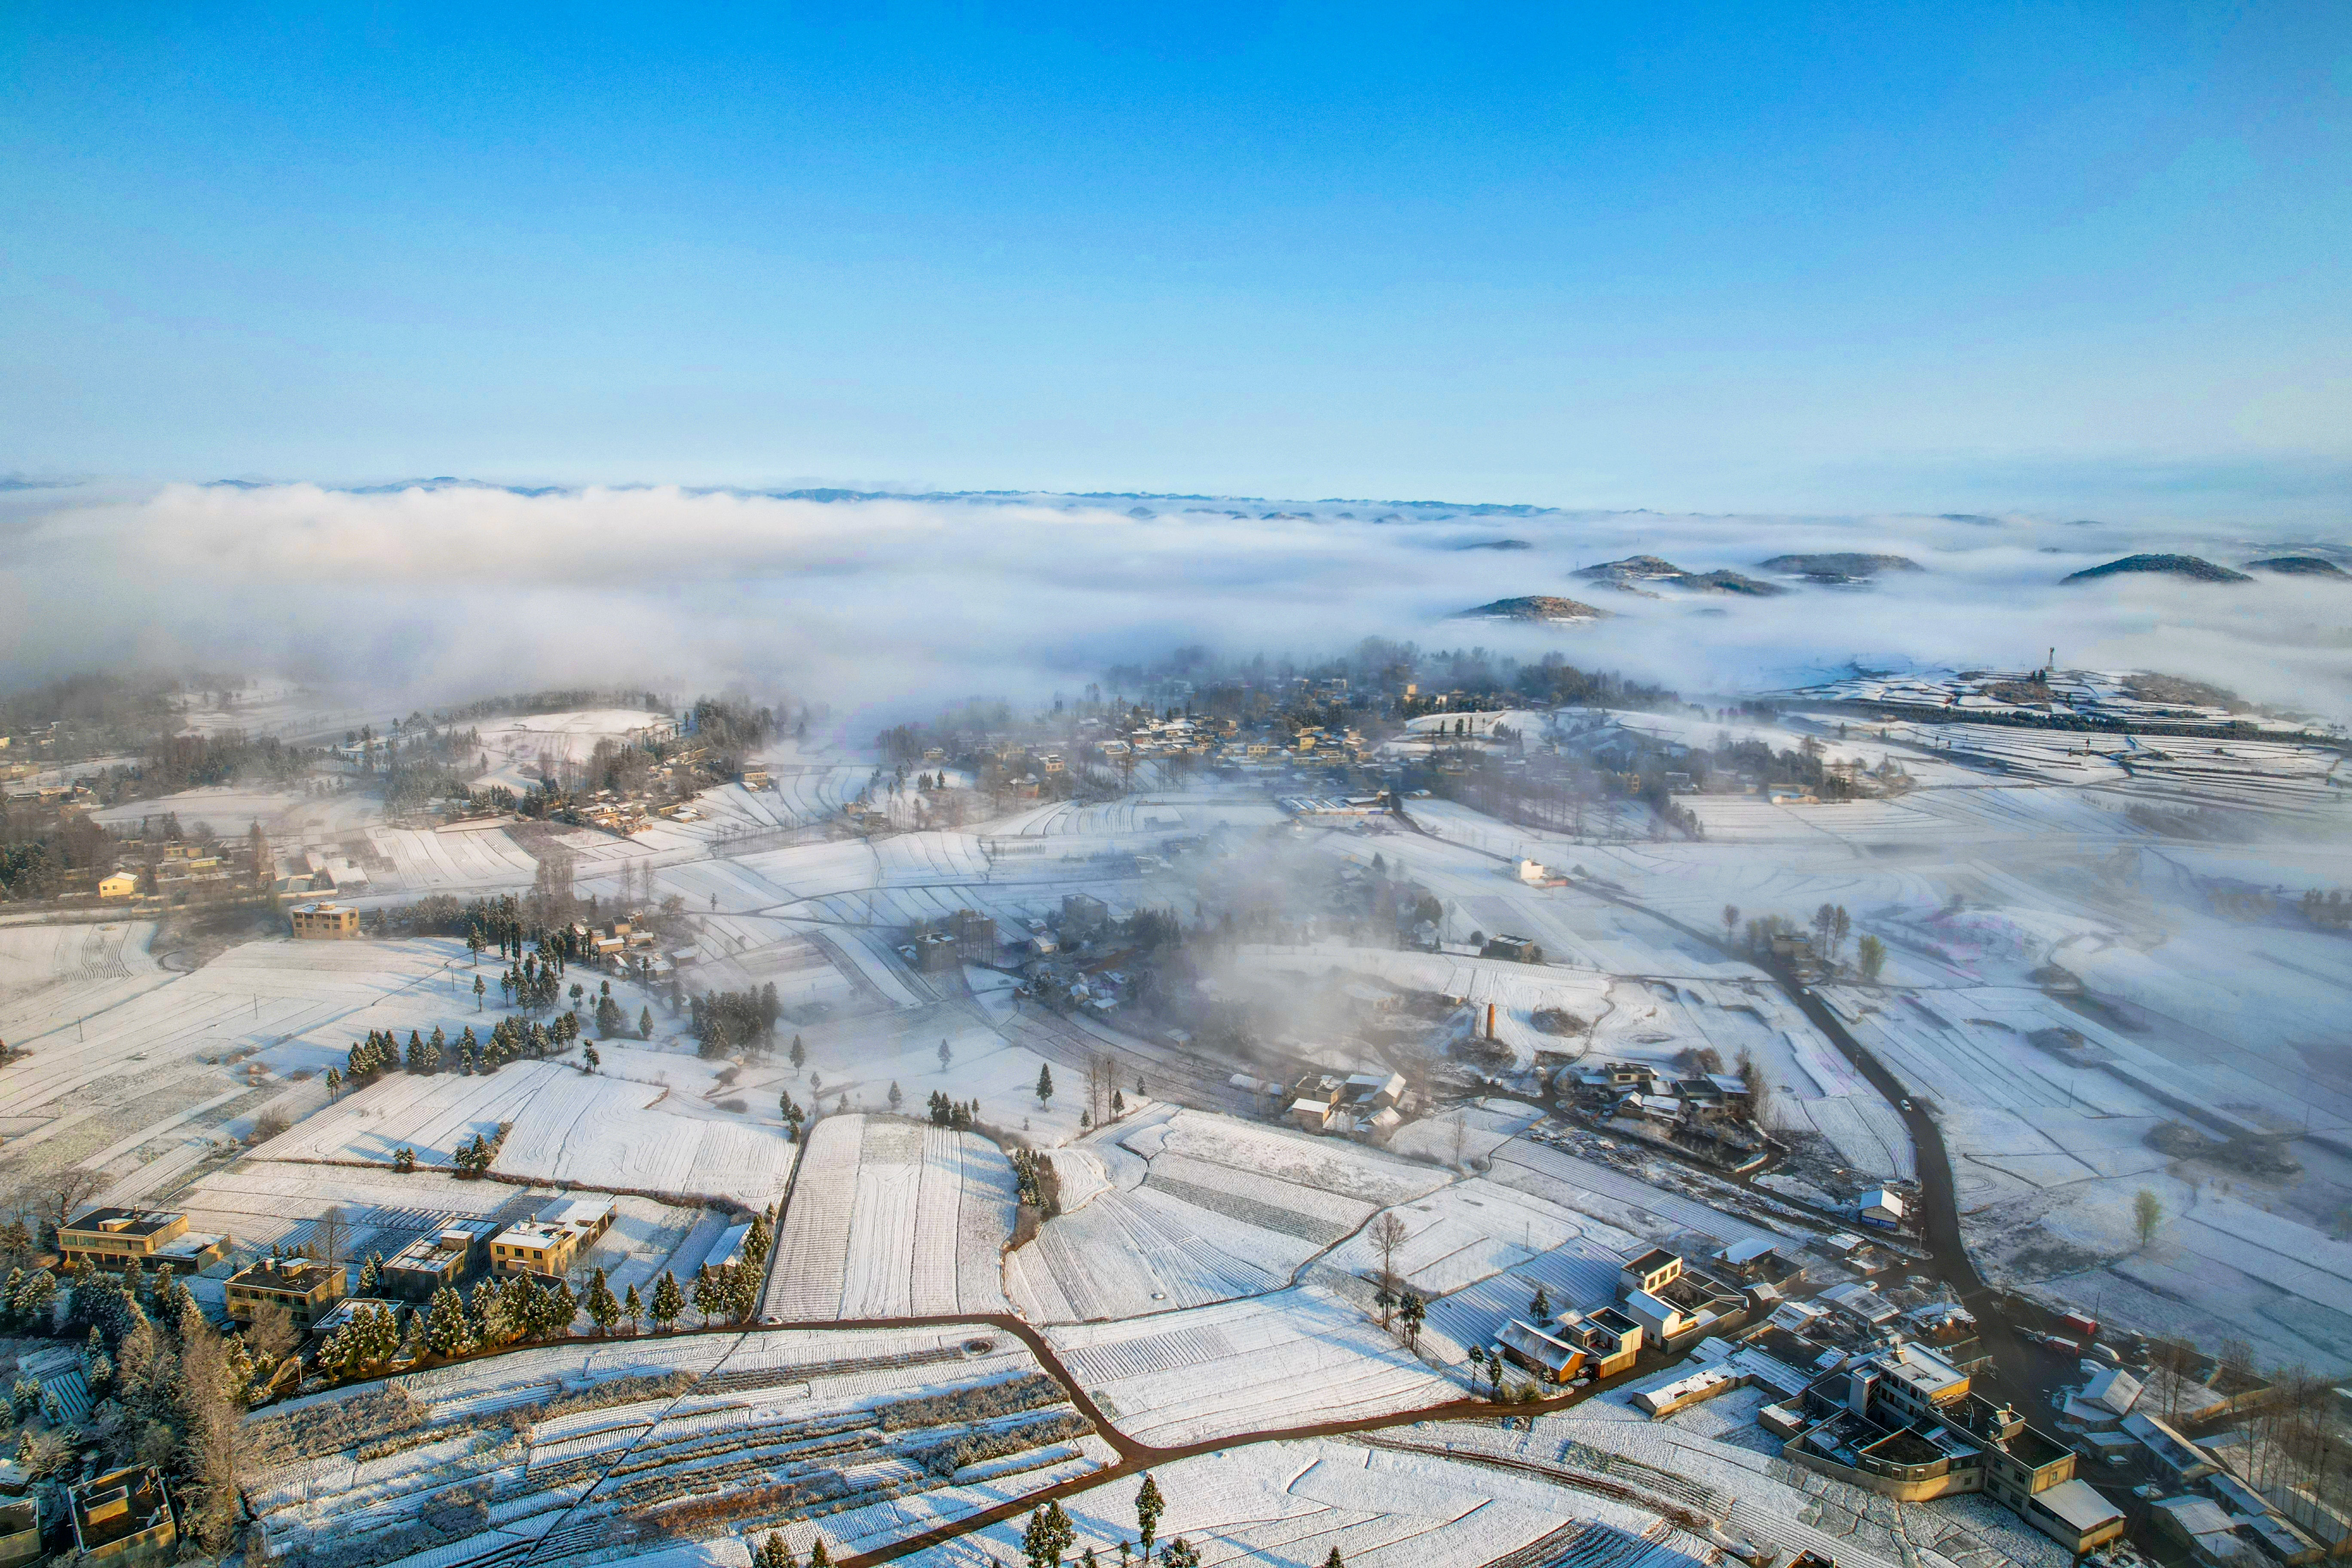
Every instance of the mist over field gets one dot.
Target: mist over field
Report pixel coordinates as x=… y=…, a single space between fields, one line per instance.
x=432 y=592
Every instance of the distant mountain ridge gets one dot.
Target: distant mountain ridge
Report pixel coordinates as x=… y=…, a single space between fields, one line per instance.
x=1635 y=570
x=2195 y=568
x=1840 y=566
x=2299 y=566
x=1548 y=607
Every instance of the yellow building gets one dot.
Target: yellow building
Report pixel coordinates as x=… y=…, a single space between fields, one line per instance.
x=116 y=1237
x=119 y=885
x=548 y=1244
x=305 y=1288
x=325 y=922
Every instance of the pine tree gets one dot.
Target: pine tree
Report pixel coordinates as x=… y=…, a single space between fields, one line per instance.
x=708 y=1299
x=1148 y=1506
x=603 y=1307
x=1539 y=1310
x=446 y=1331
x=1044 y=1085
x=645 y=1023
x=633 y=1307
x=894 y=1097
x=669 y=1302
x=800 y=1058
x=818 y=1556
x=1048 y=1535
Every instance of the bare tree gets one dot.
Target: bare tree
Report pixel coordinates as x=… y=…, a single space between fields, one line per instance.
x=273 y=1333
x=1389 y=1234
x=327 y=1236
x=62 y=1191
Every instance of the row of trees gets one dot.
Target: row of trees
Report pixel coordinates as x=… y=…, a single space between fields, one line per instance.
x=168 y=1390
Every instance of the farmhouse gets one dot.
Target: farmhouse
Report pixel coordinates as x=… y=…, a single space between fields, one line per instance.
x=20 y=1531
x=444 y=1257
x=1902 y=1421
x=116 y=1237
x=121 y=1512
x=118 y=885
x=325 y=922
x=548 y=1244
x=305 y=1288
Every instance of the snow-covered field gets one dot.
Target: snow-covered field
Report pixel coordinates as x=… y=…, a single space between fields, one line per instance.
x=564 y=1126
x=514 y=746
x=857 y=1437
x=1288 y=1359
x=1291 y=1504
x=892 y=1217
x=1196 y=1208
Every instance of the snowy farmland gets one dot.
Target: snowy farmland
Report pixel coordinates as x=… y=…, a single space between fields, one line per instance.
x=141 y=1072
x=1185 y=1210
x=1290 y=1359
x=1291 y=1504
x=892 y=1217
x=564 y=1127
x=861 y=1436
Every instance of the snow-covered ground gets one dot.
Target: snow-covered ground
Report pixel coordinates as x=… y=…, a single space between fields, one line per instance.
x=1186 y=1210
x=892 y=1217
x=1291 y=1504
x=858 y=1437
x=1290 y=1360
x=565 y=1126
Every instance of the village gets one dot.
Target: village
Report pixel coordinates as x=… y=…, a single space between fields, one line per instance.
x=1521 y=1088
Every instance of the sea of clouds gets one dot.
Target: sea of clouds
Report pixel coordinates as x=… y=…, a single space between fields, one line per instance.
x=439 y=591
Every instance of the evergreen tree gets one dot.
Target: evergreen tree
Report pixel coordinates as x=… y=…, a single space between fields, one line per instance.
x=894 y=1097
x=709 y=1299
x=1411 y=1312
x=799 y=1055
x=645 y=1023
x=1048 y=1535
x=446 y=1331
x=1044 y=1084
x=1539 y=1310
x=603 y=1307
x=1148 y=1506
x=757 y=1241
x=633 y=1307
x=818 y=1556
x=669 y=1302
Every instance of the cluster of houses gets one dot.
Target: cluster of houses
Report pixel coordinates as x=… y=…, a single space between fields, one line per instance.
x=170 y=867
x=323 y=871
x=1366 y=1106
x=1708 y=1114
x=2216 y=1496
x=1877 y=1395
x=449 y=1250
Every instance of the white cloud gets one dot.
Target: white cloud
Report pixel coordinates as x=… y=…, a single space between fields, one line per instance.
x=434 y=593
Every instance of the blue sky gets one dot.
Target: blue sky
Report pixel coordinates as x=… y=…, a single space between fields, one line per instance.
x=2074 y=258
